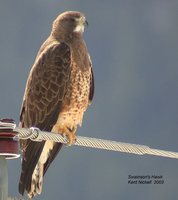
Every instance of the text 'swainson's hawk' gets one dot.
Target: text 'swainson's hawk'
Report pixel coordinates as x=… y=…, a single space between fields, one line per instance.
x=59 y=89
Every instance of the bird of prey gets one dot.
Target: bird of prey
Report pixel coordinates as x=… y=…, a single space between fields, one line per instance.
x=59 y=89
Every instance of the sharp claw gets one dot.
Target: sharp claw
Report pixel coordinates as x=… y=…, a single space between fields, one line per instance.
x=71 y=138
x=69 y=134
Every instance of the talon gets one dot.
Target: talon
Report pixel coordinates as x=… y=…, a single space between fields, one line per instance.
x=69 y=133
x=71 y=139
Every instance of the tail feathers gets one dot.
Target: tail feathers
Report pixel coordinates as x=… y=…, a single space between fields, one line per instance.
x=29 y=162
x=37 y=181
x=34 y=185
x=31 y=179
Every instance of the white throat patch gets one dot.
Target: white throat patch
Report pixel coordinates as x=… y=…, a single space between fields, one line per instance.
x=79 y=28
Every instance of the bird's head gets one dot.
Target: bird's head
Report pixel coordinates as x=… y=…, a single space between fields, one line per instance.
x=69 y=24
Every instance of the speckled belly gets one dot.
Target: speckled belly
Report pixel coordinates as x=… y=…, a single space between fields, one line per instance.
x=76 y=99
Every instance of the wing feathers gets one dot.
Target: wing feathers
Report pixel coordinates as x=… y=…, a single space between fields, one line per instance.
x=92 y=87
x=43 y=97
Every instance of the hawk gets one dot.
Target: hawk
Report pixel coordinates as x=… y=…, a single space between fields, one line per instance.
x=59 y=89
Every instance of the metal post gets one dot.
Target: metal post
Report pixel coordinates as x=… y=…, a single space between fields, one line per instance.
x=3 y=178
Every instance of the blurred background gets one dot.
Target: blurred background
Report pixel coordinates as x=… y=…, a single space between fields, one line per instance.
x=134 y=49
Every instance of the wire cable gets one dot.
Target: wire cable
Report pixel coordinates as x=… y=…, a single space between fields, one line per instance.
x=37 y=135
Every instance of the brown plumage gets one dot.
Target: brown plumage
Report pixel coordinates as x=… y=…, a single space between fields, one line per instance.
x=59 y=89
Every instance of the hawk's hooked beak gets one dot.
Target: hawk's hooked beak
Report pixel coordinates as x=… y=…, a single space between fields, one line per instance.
x=83 y=21
x=86 y=23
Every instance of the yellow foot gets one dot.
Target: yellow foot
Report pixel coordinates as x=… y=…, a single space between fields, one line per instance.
x=69 y=133
x=71 y=137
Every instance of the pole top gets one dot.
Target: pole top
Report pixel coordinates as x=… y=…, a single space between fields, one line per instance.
x=8 y=146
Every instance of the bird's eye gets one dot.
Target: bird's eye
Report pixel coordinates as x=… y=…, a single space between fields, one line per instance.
x=72 y=19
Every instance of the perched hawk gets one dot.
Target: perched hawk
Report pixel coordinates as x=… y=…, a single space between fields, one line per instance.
x=59 y=89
